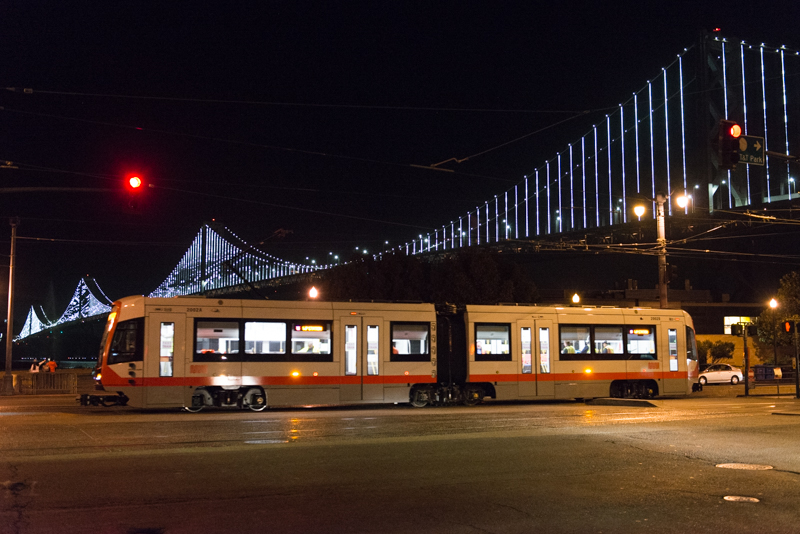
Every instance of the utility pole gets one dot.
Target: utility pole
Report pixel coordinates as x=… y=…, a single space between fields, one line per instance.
x=8 y=379
x=746 y=360
x=662 y=250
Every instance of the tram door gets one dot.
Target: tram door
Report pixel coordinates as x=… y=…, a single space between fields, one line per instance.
x=361 y=337
x=536 y=358
x=163 y=366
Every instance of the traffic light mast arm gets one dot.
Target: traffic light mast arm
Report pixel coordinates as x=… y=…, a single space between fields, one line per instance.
x=778 y=155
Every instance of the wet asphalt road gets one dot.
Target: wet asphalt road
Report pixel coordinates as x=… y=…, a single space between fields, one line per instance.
x=522 y=467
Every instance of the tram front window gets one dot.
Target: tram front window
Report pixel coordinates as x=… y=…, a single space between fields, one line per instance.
x=128 y=342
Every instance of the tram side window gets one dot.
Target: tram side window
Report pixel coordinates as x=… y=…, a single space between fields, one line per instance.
x=311 y=341
x=492 y=342
x=216 y=341
x=127 y=345
x=373 y=348
x=691 y=345
x=642 y=343
x=608 y=342
x=166 y=354
x=264 y=338
x=525 y=339
x=575 y=342
x=673 y=349
x=544 y=350
x=410 y=342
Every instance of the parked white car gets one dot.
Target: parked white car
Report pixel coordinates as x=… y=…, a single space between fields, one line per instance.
x=721 y=373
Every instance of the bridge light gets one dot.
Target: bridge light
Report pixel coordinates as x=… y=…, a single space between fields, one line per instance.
x=728 y=144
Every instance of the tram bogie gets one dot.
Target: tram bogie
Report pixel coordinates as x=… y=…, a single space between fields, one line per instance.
x=197 y=353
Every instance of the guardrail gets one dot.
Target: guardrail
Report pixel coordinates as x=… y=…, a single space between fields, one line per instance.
x=44 y=383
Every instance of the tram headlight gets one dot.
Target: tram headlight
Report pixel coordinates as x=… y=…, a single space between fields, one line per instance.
x=295 y=373
x=587 y=371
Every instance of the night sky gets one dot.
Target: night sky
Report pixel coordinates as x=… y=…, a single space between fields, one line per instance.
x=301 y=116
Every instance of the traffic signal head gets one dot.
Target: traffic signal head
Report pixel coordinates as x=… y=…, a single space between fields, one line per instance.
x=728 y=144
x=134 y=186
x=788 y=327
x=134 y=183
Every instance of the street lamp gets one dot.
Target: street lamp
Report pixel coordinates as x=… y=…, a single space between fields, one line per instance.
x=662 y=246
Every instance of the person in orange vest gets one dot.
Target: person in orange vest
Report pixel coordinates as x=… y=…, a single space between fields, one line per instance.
x=52 y=365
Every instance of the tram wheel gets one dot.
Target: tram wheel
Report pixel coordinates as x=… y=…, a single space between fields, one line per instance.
x=473 y=396
x=419 y=398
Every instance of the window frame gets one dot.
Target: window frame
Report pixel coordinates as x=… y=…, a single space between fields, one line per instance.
x=265 y=357
x=494 y=357
x=426 y=357
x=137 y=355
x=600 y=356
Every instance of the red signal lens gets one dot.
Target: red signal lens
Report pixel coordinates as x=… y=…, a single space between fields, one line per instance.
x=736 y=130
x=135 y=182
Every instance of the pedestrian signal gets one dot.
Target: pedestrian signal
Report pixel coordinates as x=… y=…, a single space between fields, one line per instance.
x=788 y=327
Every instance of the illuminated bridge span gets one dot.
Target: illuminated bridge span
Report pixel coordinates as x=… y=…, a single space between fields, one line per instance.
x=216 y=259
x=658 y=141
x=88 y=301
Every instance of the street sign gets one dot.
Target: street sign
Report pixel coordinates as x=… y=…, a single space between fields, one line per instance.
x=751 y=150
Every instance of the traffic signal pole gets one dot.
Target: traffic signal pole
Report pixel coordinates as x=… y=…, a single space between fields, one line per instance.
x=796 y=362
x=746 y=361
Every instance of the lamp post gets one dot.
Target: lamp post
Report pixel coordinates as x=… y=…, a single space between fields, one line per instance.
x=639 y=211
x=662 y=246
x=773 y=304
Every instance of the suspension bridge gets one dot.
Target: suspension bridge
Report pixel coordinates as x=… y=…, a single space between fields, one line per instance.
x=659 y=141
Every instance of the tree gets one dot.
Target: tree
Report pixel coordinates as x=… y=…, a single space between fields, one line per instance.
x=721 y=350
x=773 y=342
x=702 y=351
x=468 y=277
x=713 y=352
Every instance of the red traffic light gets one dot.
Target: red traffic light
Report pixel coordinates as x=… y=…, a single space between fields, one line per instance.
x=788 y=327
x=728 y=145
x=134 y=182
